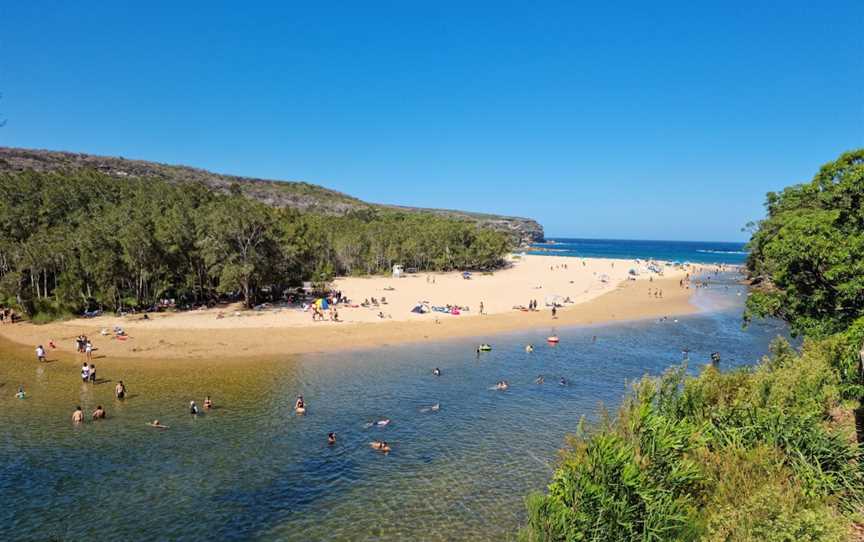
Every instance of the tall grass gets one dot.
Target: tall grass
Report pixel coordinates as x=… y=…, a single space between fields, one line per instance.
x=750 y=454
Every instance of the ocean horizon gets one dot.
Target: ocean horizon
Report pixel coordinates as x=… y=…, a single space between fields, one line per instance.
x=707 y=252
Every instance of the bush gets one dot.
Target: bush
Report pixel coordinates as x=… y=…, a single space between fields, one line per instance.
x=743 y=455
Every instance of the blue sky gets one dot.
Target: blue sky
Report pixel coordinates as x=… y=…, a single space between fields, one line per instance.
x=649 y=120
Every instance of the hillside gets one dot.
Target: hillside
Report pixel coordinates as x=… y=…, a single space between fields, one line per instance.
x=298 y=195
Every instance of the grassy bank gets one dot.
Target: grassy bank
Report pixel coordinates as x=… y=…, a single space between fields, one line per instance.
x=762 y=453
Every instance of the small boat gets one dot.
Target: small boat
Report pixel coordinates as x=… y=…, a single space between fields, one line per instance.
x=484 y=348
x=553 y=339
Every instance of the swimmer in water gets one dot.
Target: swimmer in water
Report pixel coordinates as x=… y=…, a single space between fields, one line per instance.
x=156 y=424
x=208 y=404
x=193 y=408
x=99 y=413
x=380 y=445
x=529 y=348
x=331 y=438
x=540 y=379
x=563 y=381
x=299 y=403
x=436 y=371
x=382 y=423
x=502 y=386
x=78 y=416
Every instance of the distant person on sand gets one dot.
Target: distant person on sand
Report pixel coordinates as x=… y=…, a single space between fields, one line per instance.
x=78 y=415
x=481 y=307
x=554 y=311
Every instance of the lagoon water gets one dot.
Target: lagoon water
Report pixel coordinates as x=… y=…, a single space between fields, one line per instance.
x=252 y=470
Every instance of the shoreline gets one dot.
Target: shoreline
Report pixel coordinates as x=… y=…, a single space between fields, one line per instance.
x=200 y=339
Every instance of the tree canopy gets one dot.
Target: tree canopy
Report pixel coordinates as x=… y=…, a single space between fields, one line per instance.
x=83 y=240
x=807 y=255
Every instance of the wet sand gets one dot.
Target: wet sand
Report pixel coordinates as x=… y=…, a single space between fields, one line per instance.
x=199 y=336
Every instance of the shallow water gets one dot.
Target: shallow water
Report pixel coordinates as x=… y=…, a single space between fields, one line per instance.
x=251 y=469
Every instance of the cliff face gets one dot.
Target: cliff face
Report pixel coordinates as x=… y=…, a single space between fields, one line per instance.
x=293 y=194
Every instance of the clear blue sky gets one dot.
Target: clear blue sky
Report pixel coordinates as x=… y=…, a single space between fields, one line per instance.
x=653 y=120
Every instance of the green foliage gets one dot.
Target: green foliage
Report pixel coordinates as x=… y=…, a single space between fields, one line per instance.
x=808 y=253
x=743 y=455
x=81 y=240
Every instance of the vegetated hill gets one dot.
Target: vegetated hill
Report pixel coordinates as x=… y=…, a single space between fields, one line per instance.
x=298 y=195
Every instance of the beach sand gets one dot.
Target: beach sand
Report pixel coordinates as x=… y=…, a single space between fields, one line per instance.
x=202 y=334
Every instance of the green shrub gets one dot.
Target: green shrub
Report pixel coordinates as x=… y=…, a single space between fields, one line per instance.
x=743 y=455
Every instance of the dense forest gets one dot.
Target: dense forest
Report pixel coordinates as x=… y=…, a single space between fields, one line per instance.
x=768 y=452
x=81 y=240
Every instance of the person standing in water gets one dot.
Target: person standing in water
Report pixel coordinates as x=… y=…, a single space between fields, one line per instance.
x=78 y=416
x=331 y=438
x=193 y=408
x=208 y=404
x=120 y=390
x=99 y=413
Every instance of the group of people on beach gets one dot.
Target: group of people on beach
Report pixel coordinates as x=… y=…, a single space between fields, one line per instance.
x=84 y=347
x=8 y=316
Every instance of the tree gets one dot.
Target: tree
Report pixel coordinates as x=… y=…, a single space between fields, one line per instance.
x=807 y=256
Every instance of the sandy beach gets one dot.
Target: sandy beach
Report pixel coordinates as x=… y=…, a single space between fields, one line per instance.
x=597 y=290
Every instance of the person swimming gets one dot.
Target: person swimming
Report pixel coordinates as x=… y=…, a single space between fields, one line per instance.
x=434 y=408
x=331 y=438
x=300 y=405
x=436 y=371
x=529 y=348
x=502 y=385
x=208 y=404
x=563 y=381
x=383 y=422
x=380 y=445
x=99 y=413
x=539 y=379
x=156 y=424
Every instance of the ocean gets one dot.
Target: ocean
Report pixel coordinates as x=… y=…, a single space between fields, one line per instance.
x=674 y=251
x=253 y=470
